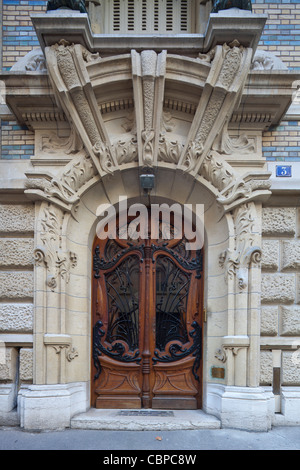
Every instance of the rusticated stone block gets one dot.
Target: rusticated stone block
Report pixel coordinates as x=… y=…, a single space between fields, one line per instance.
x=279 y=221
x=16 y=252
x=16 y=318
x=291 y=367
x=269 y=321
x=8 y=364
x=278 y=288
x=266 y=368
x=290 y=321
x=26 y=365
x=270 y=255
x=290 y=254
x=16 y=285
x=16 y=218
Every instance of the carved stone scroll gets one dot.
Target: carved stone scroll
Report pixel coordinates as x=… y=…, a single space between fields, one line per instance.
x=227 y=145
x=51 y=143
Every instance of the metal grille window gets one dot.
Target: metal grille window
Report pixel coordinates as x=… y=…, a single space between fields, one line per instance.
x=149 y=16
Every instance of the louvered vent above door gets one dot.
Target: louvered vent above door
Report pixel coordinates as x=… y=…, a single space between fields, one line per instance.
x=149 y=16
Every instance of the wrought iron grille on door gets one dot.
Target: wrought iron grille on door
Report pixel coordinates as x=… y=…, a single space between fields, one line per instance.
x=147 y=324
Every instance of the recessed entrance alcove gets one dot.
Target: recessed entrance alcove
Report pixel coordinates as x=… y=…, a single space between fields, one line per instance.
x=144 y=334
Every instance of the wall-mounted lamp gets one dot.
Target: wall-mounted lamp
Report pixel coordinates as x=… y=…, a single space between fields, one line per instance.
x=147 y=182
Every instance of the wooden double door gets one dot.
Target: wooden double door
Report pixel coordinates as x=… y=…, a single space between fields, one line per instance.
x=147 y=324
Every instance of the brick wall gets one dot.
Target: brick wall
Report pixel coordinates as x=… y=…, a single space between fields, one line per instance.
x=282 y=37
x=282 y=143
x=18 y=33
x=282 y=31
x=17 y=141
x=281 y=34
x=18 y=38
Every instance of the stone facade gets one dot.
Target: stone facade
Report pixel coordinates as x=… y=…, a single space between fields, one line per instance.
x=280 y=296
x=202 y=118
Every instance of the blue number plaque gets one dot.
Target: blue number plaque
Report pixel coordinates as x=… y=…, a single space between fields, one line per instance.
x=283 y=170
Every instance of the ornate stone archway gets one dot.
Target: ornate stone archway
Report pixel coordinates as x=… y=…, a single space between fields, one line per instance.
x=195 y=122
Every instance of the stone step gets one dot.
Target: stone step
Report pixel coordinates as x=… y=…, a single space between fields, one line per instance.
x=144 y=420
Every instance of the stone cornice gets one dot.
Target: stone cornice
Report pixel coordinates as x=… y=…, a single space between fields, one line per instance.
x=222 y=27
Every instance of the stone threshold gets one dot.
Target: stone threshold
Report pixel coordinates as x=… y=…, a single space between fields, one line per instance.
x=144 y=420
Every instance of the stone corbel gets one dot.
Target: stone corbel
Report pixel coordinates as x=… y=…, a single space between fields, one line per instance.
x=59 y=342
x=233 y=344
x=220 y=97
x=148 y=74
x=67 y=70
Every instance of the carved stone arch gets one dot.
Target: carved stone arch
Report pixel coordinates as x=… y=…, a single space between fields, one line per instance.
x=82 y=228
x=190 y=168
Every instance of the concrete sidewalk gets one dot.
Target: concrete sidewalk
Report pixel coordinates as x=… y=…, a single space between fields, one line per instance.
x=279 y=438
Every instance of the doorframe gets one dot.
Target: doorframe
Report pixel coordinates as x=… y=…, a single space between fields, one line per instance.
x=199 y=396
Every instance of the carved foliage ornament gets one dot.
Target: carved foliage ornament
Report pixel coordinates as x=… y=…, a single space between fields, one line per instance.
x=233 y=189
x=146 y=139
x=237 y=262
x=57 y=261
x=53 y=144
x=70 y=351
x=222 y=353
x=64 y=188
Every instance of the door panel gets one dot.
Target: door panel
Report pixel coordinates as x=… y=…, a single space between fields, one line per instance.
x=147 y=324
x=116 y=332
x=174 y=386
x=172 y=289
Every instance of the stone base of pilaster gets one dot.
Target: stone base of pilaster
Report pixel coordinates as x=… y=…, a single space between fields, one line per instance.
x=290 y=407
x=247 y=408
x=8 y=414
x=48 y=407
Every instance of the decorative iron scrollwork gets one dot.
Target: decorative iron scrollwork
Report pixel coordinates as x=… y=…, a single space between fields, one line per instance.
x=100 y=263
x=172 y=290
x=177 y=351
x=116 y=351
x=195 y=264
